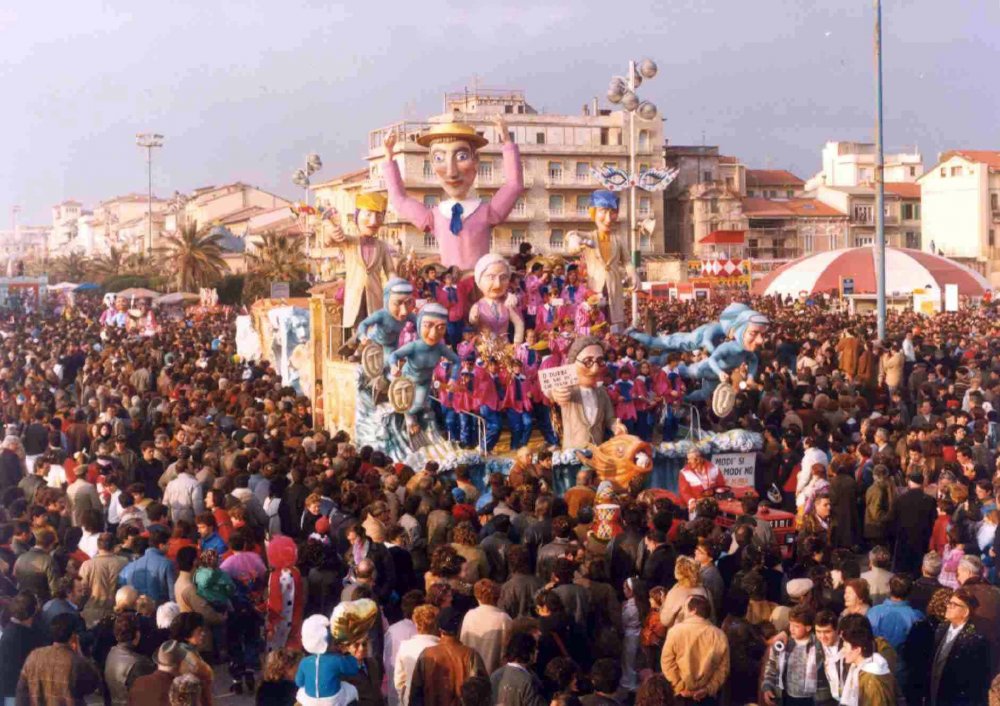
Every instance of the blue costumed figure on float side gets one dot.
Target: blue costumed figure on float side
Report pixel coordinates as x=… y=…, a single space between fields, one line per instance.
x=419 y=358
x=385 y=325
x=707 y=336
x=748 y=329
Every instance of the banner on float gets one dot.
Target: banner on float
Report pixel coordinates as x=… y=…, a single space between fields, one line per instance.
x=554 y=378
x=737 y=468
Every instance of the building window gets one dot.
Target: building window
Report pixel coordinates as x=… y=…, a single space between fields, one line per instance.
x=790 y=193
x=807 y=243
x=431 y=200
x=428 y=172
x=645 y=242
x=582 y=171
x=992 y=238
x=644 y=139
x=605 y=136
x=485 y=171
x=913 y=171
x=583 y=205
x=518 y=236
x=956 y=171
x=610 y=164
x=943 y=173
x=556 y=239
x=556 y=202
x=912 y=240
x=430 y=241
x=540 y=138
x=713 y=206
x=864 y=213
x=752 y=245
x=643 y=167
x=555 y=171
x=861 y=241
x=995 y=202
x=645 y=206
x=729 y=182
x=911 y=211
x=519 y=206
x=508 y=109
x=706 y=176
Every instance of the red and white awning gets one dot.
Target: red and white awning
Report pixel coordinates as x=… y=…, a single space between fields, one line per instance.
x=905 y=269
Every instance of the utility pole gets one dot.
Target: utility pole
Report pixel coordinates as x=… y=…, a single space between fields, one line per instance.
x=879 y=178
x=149 y=141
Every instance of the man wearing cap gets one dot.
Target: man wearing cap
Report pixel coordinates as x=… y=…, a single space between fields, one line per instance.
x=418 y=359
x=604 y=255
x=367 y=260
x=385 y=325
x=462 y=222
x=441 y=669
x=154 y=689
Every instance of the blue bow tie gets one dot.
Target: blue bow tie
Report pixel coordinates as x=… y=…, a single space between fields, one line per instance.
x=456 y=219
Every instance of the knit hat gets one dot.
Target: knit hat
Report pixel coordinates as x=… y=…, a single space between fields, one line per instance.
x=315 y=634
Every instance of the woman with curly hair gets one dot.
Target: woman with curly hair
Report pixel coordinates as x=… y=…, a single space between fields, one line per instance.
x=446 y=567
x=278 y=687
x=655 y=691
x=688 y=575
x=465 y=542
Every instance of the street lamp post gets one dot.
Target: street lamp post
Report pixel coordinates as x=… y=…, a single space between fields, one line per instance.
x=301 y=178
x=879 y=178
x=623 y=90
x=149 y=141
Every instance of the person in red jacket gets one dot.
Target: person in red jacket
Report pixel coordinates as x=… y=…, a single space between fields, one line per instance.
x=697 y=477
x=464 y=400
x=517 y=405
x=456 y=300
x=489 y=392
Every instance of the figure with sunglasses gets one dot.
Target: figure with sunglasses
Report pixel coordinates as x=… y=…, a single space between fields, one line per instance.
x=748 y=335
x=588 y=414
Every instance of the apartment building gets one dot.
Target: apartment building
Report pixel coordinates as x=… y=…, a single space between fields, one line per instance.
x=557 y=153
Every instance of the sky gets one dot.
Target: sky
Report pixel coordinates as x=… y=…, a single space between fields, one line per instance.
x=244 y=90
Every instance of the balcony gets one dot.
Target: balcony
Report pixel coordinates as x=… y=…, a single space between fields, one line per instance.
x=567 y=214
x=569 y=181
x=521 y=214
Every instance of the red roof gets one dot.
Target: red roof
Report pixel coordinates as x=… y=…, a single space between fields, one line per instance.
x=903 y=189
x=772 y=177
x=792 y=208
x=724 y=237
x=988 y=157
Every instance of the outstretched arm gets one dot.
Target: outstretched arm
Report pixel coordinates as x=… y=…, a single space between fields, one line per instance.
x=402 y=203
x=506 y=196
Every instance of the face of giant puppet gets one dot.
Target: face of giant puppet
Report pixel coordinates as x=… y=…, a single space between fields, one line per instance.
x=455 y=164
x=369 y=221
x=400 y=305
x=432 y=330
x=605 y=219
x=590 y=366
x=753 y=337
x=494 y=281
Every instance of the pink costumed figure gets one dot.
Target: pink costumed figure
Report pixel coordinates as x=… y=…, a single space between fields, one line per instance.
x=492 y=314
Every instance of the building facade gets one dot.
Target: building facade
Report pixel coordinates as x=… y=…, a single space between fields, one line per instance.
x=961 y=209
x=24 y=243
x=853 y=164
x=902 y=208
x=557 y=153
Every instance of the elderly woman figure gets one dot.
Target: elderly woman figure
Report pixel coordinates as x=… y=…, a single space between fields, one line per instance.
x=688 y=575
x=491 y=314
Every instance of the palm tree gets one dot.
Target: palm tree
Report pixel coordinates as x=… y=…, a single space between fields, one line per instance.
x=141 y=263
x=73 y=267
x=110 y=264
x=277 y=258
x=195 y=256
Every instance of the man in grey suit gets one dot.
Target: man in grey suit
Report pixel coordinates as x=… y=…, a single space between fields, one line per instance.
x=588 y=414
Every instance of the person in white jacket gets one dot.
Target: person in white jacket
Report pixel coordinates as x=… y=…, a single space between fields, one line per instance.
x=184 y=495
x=811 y=456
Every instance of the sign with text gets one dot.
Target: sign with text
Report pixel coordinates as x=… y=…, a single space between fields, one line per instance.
x=554 y=378
x=737 y=468
x=280 y=290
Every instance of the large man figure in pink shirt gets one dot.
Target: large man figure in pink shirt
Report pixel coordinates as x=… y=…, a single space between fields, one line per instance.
x=462 y=222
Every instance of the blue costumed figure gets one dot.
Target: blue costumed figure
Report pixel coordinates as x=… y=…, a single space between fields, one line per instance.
x=748 y=335
x=707 y=336
x=385 y=325
x=419 y=358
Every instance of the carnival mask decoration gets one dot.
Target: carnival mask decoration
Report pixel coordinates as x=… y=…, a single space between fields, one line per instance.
x=615 y=179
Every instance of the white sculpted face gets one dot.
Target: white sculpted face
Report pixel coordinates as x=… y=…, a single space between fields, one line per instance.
x=495 y=281
x=455 y=165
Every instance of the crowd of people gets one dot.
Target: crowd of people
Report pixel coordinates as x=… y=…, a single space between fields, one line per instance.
x=175 y=527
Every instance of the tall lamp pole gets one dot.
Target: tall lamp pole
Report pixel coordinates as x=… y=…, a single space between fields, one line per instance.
x=149 y=141
x=623 y=90
x=879 y=178
x=301 y=178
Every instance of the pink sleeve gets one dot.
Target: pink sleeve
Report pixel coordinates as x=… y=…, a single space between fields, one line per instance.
x=407 y=207
x=506 y=196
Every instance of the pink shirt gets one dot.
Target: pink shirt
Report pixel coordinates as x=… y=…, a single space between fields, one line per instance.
x=493 y=317
x=473 y=241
